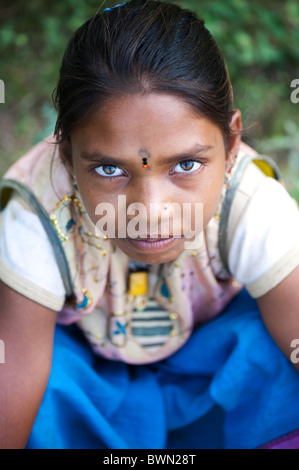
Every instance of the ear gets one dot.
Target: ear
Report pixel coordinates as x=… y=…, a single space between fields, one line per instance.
x=65 y=153
x=236 y=129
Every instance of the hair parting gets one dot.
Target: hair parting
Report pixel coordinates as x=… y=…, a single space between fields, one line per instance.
x=142 y=46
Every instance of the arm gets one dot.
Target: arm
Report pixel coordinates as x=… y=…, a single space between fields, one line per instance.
x=280 y=311
x=27 y=330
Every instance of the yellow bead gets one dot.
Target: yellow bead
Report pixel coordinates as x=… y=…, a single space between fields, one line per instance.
x=138 y=283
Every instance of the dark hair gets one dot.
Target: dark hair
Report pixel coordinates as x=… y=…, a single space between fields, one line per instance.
x=142 y=47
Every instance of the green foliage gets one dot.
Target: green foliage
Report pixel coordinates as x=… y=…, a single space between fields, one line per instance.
x=259 y=39
x=286 y=148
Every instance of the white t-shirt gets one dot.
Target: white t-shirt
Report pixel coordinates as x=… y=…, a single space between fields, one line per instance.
x=263 y=250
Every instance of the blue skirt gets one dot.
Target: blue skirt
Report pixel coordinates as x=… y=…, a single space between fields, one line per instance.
x=229 y=387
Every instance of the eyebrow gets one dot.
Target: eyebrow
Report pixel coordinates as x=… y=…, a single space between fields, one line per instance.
x=109 y=160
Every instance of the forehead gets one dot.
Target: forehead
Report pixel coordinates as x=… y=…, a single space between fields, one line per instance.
x=154 y=121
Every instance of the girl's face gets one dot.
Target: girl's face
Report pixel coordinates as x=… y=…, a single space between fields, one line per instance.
x=158 y=154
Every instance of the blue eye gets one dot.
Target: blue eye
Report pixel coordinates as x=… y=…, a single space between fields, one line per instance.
x=187 y=166
x=108 y=170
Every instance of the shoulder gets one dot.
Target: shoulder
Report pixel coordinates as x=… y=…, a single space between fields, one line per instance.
x=25 y=251
x=262 y=232
x=250 y=171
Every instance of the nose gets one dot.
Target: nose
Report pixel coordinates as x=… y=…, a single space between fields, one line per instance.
x=154 y=208
x=148 y=194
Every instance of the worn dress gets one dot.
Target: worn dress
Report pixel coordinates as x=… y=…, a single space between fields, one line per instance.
x=185 y=362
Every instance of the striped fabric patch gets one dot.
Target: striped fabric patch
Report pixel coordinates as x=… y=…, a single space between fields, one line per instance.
x=152 y=326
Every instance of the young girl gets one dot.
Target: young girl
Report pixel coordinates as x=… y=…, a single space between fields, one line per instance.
x=120 y=336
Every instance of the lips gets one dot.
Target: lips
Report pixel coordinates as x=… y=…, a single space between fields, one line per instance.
x=148 y=238
x=152 y=245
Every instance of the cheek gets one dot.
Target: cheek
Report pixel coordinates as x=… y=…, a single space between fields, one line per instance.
x=104 y=216
x=211 y=196
x=95 y=201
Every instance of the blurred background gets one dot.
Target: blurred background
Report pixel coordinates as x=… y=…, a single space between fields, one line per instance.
x=259 y=39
